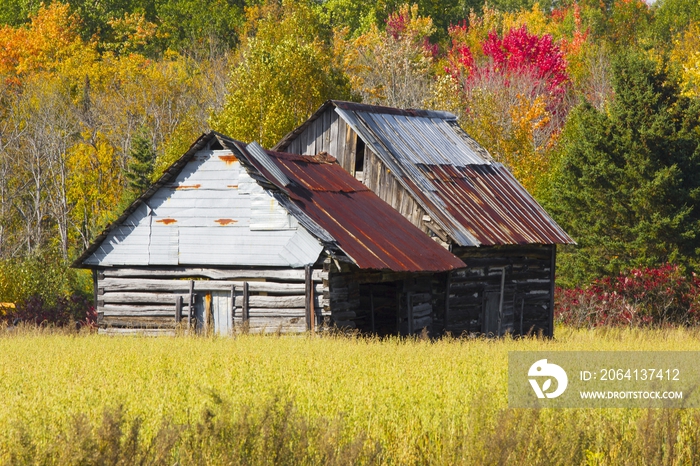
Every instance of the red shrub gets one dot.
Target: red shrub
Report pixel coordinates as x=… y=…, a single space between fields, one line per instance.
x=641 y=297
x=66 y=311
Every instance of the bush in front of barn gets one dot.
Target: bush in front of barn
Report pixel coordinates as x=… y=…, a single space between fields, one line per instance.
x=640 y=297
x=72 y=310
x=42 y=290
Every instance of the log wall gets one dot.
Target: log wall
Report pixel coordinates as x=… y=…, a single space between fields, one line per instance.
x=378 y=302
x=208 y=300
x=527 y=291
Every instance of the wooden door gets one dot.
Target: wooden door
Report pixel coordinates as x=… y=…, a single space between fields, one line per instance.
x=221 y=312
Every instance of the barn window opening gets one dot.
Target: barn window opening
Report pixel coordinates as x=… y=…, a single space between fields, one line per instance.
x=215 y=145
x=359 y=157
x=378 y=310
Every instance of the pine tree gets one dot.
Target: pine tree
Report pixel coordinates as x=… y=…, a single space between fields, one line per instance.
x=138 y=173
x=628 y=183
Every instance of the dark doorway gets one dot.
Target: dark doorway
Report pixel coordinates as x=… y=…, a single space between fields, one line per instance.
x=378 y=307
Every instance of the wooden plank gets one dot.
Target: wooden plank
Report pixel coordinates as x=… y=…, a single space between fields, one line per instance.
x=333 y=134
x=272 y=312
x=447 y=299
x=150 y=284
x=178 y=309
x=190 y=307
x=139 y=322
x=550 y=320
x=371 y=307
x=307 y=298
x=233 y=303
x=350 y=147
x=135 y=332
x=215 y=274
x=244 y=304
x=132 y=298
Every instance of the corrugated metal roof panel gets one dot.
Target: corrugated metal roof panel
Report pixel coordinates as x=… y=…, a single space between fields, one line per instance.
x=493 y=205
x=367 y=229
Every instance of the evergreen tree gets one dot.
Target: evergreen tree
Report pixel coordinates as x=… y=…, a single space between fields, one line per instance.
x=138 y=173
x=628 y=181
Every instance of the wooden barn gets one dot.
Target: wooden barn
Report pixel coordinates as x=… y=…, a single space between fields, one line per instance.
x=426 y=167
x=233 y=236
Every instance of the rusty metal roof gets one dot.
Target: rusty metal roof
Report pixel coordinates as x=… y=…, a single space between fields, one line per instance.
x=493 y=206
x=368 y=230
x=473 y=199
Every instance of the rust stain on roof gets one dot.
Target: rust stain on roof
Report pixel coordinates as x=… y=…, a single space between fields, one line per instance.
x=225 y=221
x=189 y=186
x=233 y=186
x=492 y=205
x=365 y=227
x=228 y=159
x=166 y=221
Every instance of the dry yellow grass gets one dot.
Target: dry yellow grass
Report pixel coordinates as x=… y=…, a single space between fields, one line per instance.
x=411 y=401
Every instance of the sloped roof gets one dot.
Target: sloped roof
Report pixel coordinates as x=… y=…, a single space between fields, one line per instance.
x=368 y=230
x=474 y=199
x=328 y=203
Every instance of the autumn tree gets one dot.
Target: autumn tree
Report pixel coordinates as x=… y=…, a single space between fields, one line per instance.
x=392 y=66
x=513 y=88
x=628 y=185
x=283 y=70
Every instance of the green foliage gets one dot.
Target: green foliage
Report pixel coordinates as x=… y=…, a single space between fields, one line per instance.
x=17 y=12
x=628 y=183
x=284 y=70
x=198 y=24
x=672 y=17
x=140 y=168
x=46 y=276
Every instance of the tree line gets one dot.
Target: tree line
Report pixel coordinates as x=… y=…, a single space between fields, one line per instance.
x=594 y=106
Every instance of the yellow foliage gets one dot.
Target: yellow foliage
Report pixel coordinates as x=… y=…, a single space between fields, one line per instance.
x=686 y=53
x=94 y=184
x=423 y=402
x=282 y=72
x=390 y=67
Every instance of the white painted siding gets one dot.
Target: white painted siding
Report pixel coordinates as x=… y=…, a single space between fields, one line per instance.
x=213 y=213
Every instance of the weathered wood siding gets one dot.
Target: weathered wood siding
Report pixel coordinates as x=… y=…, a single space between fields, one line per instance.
x=378 y=178
x=146 y=299
x=378 y=302
x=328 y=133
x=331 y=134
x=527 y=297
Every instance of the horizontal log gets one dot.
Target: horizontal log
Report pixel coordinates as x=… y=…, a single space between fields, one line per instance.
x=136 y=331
x=127 y=310
x=422 y=306
x=417 y=298
x=422 y=310
x=136 y=322
x=152 y=298
x=215 y=274
x=275 y=312
x=422 y=322
x=145 y=284
x=277 y=302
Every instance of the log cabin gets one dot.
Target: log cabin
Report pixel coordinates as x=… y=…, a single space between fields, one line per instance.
x=430 y=170
x=236 y=238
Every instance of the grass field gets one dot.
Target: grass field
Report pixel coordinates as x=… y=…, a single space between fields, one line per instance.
x=88 y=399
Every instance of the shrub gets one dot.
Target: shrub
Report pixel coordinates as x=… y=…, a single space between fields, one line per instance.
x=640 y=297
x=66 y=310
